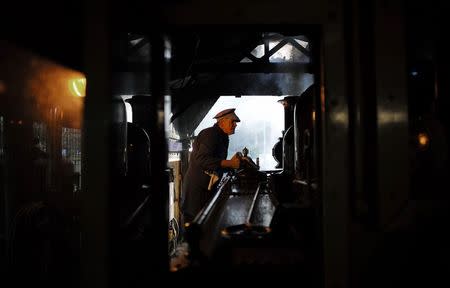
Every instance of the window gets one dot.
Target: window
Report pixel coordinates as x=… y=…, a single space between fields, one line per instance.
x=262 y=122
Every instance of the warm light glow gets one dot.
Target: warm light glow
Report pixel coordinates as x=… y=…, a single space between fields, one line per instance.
x=2 y=87
x=392 y=117
x=339 y=118
x=313 y=115
x=423 y=139
x=78 y=87
x=322 y=98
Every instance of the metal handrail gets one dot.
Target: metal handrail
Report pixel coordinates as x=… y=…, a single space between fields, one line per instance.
x=201 y=216
x=250 y=211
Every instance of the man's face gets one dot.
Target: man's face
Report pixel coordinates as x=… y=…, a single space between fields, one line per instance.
x=229 y=126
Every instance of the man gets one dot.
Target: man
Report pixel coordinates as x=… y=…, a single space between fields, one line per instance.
x=207 y=163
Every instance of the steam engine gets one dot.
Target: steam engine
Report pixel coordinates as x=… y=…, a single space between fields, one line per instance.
x=265 y=219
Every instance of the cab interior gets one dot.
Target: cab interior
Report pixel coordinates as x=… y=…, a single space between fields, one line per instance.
x=343 y=110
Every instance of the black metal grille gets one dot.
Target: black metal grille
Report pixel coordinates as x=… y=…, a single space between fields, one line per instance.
x=40 y=134
x=71 y=148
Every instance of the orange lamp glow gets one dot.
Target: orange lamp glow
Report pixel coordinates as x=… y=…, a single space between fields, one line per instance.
x=423 y=140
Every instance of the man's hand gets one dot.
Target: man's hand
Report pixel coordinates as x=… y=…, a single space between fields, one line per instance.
x=234 y=162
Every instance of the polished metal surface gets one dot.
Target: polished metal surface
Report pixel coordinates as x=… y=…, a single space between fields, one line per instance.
x=242 y=203
x=263 y=211
x=235 y=210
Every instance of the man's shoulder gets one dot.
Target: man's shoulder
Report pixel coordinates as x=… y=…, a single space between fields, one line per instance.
x=210 y=134
x=209 y=131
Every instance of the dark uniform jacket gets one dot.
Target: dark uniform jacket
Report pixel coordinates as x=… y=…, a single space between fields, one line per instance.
x=209 y=149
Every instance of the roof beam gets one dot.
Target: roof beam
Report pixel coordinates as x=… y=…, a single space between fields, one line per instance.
x=253 y=68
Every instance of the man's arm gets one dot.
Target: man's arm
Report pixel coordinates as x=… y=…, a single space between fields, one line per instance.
x=234 y=162
x=204 y=156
